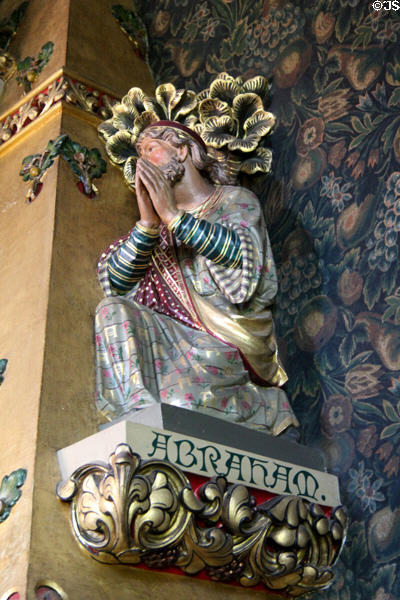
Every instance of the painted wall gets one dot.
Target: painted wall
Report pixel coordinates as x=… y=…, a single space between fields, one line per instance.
x=333 y=208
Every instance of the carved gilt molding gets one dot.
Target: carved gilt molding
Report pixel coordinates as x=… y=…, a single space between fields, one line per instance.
x=63 y=89
x=132 y=511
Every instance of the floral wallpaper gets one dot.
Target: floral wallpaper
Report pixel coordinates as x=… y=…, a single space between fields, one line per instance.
x=333 y=209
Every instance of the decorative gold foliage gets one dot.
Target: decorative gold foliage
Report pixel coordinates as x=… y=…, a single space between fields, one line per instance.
x=244 y=106
x=257 y=85
x=217 y=131
x=212 y=107
x=260 y=123
x=258 y=161
x=242 y=103
x=132 y=511
x=229 y=116
x=224 y=88
x=175 y=103
x=120 y=146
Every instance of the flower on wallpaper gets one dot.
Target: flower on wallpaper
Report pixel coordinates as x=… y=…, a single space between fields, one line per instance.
x=391 y=468
x=310 y=136
x=336 y=414
x=390 y=31
x=359 y=478
x=362 y=381
x=373 y=157
x=337 y=193
x=367 y=491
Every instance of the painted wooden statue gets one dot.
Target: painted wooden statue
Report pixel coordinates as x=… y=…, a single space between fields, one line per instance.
x=187 y=314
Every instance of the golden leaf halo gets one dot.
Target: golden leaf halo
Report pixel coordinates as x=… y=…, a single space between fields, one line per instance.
x=230 y=116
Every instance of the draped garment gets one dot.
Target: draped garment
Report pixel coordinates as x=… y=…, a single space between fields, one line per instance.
x=195 y=334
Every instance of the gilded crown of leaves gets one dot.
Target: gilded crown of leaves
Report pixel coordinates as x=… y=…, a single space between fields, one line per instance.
x=229 y=116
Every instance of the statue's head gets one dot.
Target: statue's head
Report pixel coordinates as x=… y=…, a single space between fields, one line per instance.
x=163 y=144
x=228 y=118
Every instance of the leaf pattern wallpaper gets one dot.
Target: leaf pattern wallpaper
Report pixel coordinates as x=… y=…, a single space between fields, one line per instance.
x=333 y=211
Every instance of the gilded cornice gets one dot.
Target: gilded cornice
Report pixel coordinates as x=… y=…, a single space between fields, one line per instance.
x=61 y=89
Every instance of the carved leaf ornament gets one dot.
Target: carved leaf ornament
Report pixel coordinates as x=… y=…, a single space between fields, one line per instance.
x=85 y=164
x=10 y=491
x=229 y=116
x=29 y=68
x=3 y=366
x=134 y=28
x=8 y=29
x=133 y=511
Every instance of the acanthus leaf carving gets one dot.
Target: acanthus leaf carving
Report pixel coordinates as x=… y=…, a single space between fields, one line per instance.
x=134 y=511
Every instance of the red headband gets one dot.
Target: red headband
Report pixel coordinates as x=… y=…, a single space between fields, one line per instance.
x=176 y=125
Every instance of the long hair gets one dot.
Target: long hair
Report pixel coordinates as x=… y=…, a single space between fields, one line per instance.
x=208 y=166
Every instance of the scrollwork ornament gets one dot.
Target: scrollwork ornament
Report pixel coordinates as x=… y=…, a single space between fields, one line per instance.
x=132 y=511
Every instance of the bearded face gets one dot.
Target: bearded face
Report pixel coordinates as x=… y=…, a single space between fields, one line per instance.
x=163 y=155
x=173 y=170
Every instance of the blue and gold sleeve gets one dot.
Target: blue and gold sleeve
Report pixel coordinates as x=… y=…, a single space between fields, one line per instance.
x=128 y=265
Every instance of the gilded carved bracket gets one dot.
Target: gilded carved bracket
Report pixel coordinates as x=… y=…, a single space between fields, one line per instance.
x=132 y=511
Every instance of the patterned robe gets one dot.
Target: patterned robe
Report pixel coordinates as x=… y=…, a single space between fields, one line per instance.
x=195 y=334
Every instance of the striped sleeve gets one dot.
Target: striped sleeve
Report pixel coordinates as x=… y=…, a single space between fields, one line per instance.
x=219 y=244
x=128 y=265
